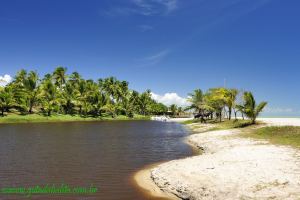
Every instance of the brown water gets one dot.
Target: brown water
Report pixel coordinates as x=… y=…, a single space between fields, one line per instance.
x=102 y=154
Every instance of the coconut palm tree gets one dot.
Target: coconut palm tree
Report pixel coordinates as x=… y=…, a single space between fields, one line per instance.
x=68 y=98
x=144 y=101
x=108 y=85
x=49 y=97
x=250 y=109
x=31 y=89
x=75 y=78
x=81 y=94
x=6 y=99
x=173 y=109
x=179 y=110
x=196 y=100
x=20 y=77
x=59 y=76
x=135 y=101
x=230 y=98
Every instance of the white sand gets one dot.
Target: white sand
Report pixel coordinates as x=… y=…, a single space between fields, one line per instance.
x=180 y=119
x=281 y=121
x=233 y=168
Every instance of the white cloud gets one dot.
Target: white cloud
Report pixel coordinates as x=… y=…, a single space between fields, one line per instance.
x=145 y=27
x=152 y=7
x=158 y=56
x=170 y=98
x=170 y=5
x=144 y=7
x=278 y=110
x=4 y=80
x=152 y=59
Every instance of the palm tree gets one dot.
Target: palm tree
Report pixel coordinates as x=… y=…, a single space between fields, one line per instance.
x=98 y=101
x=179 y=110
x=173 y=109
x=68 y=98
x=110 y=108
x=144 y=101
x=20 y=77
x=59 y=76
x=81 y=95
x=31 y=89
x=6 y=99
x=250 y=109
x=135 y=101
x=75 y=78
x=49 y=97
x=196 y=100
x=230 y=98
x=108 y=85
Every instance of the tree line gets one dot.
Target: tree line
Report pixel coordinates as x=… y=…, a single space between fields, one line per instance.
x=223 y=102
x=61 y=93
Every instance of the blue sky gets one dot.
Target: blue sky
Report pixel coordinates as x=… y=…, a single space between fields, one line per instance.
x=165 y=45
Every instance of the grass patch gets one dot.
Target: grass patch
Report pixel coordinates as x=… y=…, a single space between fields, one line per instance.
x=217 y=125
x=231 y=124
x=285 y=135
x=16 y=118
x=191 y=121
x=222 y=125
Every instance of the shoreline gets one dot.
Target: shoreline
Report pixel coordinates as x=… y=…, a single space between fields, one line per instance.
x=36 y=118
x=231 y=167
x=143 y=180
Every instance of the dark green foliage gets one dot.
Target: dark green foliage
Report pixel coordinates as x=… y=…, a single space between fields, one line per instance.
x=61 y=93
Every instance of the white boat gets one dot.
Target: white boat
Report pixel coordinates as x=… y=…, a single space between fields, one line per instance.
x=161 y=118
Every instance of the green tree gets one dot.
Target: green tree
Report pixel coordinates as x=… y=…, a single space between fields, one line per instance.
x=6 y=99
x=250 y=109
x=197 y=101
x=215 y=101
x=230 y=100
x=31 y=90
x=173 y=109
x=49 y=97
x=59 y=76
x=145 y=101
x=68 y=98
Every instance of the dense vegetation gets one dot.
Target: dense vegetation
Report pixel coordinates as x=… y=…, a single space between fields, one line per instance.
x=61 y=93
x=64 y=94
x=221 y=102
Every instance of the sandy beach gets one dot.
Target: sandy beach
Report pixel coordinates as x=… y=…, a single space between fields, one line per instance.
x=231 y=167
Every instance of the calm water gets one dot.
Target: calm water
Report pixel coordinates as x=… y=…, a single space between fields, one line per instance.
x=104 y=154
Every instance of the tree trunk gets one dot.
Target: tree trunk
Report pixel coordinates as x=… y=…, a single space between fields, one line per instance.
x=30 y=108
x=229 y=113
x=225 y=113
x=49 y=113
x=243 y=116
x=220 y=116
x=2 y=111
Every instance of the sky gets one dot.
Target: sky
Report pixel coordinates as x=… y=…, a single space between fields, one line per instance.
x=169 y=46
